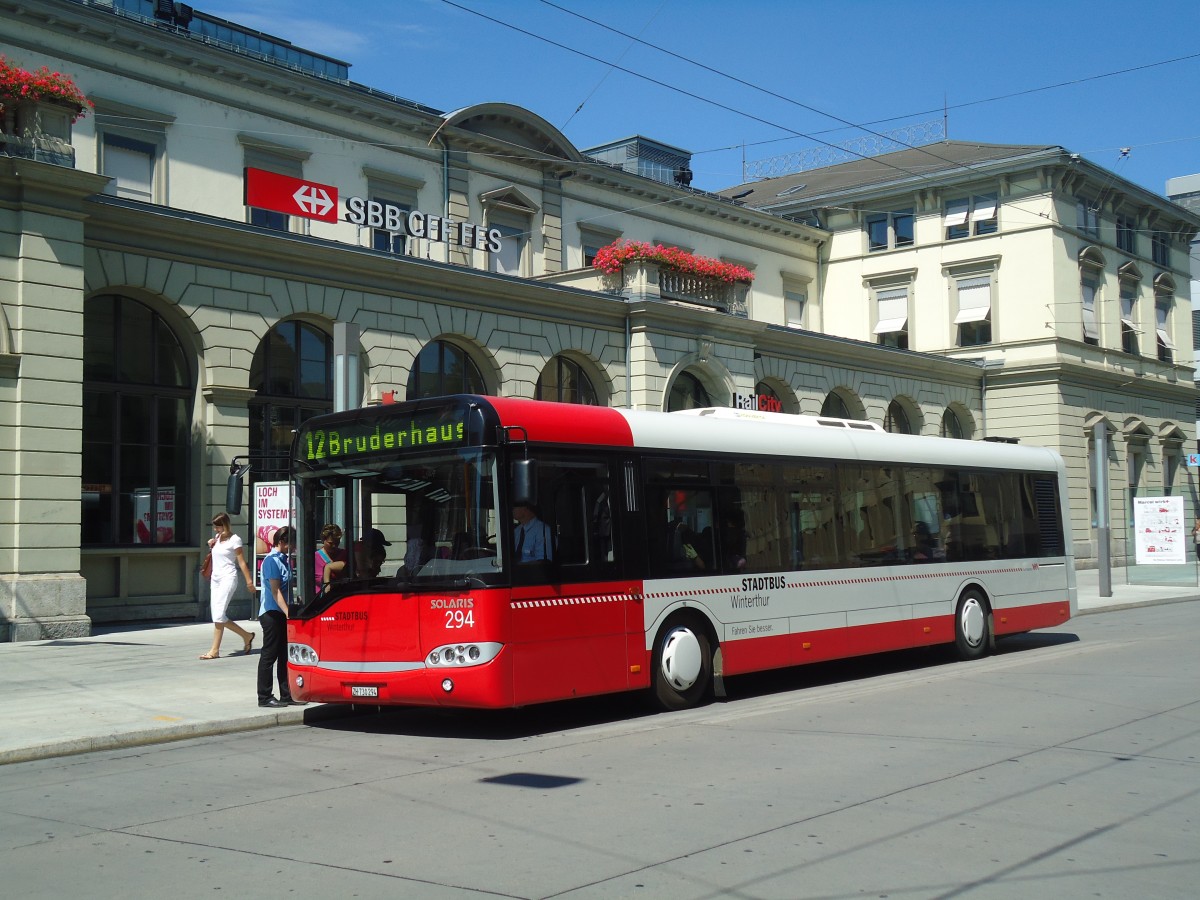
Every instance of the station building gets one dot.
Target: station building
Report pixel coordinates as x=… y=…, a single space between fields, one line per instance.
x=1069 y=284
x=165 y=312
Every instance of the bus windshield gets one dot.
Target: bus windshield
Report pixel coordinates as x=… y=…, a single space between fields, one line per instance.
x=425 y=521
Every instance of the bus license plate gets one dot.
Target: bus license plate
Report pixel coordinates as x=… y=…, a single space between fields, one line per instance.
x=360 y=690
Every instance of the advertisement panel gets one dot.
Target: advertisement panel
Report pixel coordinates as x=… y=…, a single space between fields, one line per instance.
x=272 y=507
x=1159 y=535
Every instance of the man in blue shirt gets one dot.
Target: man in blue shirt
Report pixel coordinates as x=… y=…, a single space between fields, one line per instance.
x=273 y=616
x=531 y=537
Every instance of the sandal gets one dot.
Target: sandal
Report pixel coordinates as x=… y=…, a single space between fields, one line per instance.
x=209 y=656
x=246 y=649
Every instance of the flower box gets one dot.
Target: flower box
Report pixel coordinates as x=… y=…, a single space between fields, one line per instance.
x=37 y=110
x=19 y=86
x=613 y=258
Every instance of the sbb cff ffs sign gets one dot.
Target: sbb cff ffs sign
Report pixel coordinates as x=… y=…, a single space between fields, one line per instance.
x=293 y=196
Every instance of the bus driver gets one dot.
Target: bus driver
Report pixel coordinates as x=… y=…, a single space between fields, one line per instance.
x=531 y=536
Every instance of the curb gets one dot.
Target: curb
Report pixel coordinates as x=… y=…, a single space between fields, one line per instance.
x=170 y=733
x=1136 y=604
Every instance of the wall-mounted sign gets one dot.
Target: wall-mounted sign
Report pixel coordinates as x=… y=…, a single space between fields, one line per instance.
x=294 y=196
x=760 y=402
x=1159 y=534
x=312 y=200
x=397 y=220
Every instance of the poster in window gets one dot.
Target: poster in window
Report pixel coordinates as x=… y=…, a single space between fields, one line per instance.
x=161 y=531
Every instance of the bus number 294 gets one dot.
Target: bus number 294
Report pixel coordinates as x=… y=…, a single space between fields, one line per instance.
x=460 y=618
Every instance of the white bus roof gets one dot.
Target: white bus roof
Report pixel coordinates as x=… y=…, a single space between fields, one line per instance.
x=792 y=421
x=747 y=432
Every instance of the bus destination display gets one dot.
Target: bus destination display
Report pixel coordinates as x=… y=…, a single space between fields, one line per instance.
x=367 y=437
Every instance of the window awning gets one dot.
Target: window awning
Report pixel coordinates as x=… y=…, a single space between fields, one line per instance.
x=956 y=212
x=972 y=314
x=893 y=310
x=1165 y=339
x=985 y=208
x=1090 y=328
x=974 y=300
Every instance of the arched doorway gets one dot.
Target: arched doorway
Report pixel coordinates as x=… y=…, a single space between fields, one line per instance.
x=138 y=385
x=292 y=377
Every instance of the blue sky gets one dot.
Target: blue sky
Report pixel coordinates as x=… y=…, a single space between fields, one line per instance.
x=860 y=61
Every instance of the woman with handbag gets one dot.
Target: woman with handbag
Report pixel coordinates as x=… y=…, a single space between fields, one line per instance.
x=224 y=558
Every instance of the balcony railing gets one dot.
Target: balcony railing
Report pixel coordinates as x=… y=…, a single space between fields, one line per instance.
x=37 y=130
x=644 y=280
x=688 y=288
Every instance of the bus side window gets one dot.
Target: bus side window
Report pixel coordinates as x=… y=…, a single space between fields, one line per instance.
x=601 y=524
x=574 y=501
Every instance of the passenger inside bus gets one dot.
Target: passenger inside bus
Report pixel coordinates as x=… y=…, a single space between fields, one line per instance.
x=923 y=547
x=370 y=554
x=733 y=541
x=331 y=558
x=419 y=548
x=686 y=550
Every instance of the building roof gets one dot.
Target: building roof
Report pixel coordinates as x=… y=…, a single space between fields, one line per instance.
x=931 y=161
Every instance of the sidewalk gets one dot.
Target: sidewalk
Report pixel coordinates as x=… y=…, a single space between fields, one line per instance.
x=128 y=686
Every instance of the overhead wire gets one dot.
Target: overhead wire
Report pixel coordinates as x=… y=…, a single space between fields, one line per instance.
x=813 y=135
x=756 y=87
x=671 y=87
x=604 y=77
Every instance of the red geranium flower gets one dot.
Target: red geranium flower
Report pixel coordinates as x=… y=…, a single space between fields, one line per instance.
x=612 y=259
x=19 y=84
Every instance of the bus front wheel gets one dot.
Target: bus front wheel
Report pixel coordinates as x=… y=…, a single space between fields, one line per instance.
x=683 y=664
x=972 y=625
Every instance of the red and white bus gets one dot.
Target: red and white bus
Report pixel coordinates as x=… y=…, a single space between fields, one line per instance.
x=684 y=548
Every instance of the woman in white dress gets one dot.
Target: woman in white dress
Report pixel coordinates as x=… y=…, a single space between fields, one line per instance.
x=227 y=558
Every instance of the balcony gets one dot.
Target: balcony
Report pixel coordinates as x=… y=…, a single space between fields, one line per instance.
x=645 y=280
x=39 y=130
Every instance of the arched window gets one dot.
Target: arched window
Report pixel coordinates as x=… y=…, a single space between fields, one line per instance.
x=835 y=407
x=565 y=381
x=292 y=377
x=897 y=421
x=442 y=368
x=687 y=393
x=137 y=417
x=951 y=426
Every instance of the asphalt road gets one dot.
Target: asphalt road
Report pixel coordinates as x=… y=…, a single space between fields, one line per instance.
x=1068 y=765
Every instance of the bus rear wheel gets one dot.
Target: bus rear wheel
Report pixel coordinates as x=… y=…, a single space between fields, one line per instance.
x=683 y=664
x=972 y=625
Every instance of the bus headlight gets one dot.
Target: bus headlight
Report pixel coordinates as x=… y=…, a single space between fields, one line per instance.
x=454 y=656
x=302 y=655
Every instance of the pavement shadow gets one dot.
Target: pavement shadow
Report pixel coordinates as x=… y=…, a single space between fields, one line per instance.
x=565 y=715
